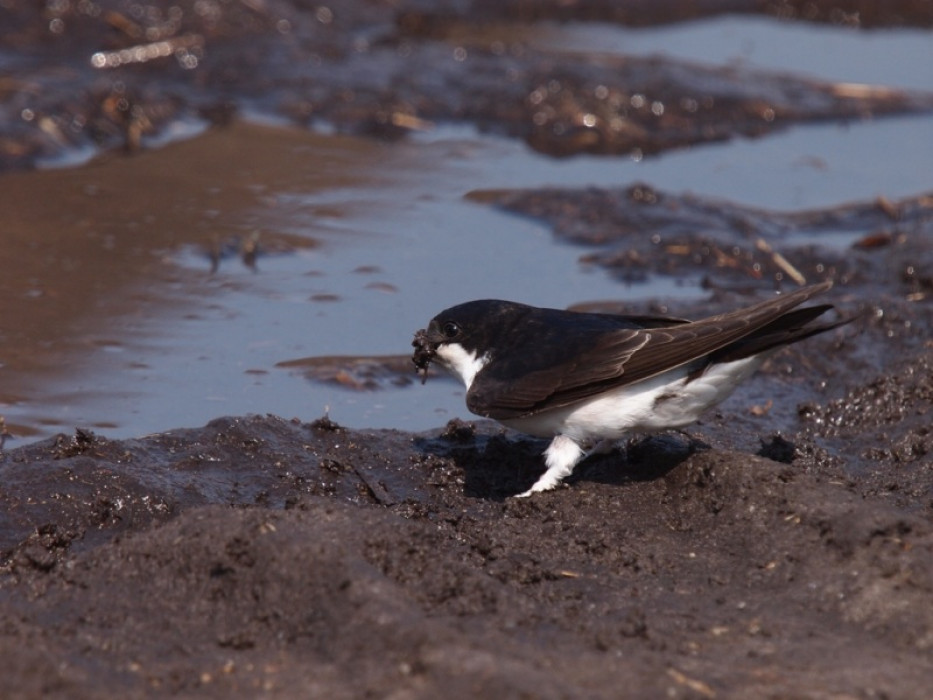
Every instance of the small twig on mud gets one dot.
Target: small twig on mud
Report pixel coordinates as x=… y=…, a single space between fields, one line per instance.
x=379 y=492
x=694 y=685
x=781 y=262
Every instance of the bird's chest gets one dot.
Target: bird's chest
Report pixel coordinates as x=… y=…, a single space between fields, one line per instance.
x=464 y=363
x=671 y=400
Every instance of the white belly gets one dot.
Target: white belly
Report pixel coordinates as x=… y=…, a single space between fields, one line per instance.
x=659 y=403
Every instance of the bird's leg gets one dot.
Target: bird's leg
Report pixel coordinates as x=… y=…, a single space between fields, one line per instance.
x=561 y=456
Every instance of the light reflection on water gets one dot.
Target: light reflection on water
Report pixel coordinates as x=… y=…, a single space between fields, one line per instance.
x=390 y=240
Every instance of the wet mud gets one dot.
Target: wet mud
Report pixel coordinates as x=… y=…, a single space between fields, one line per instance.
x=429 y=15
x=782 y=548
x=857 y=243
x=262 y=555
x=111 y=75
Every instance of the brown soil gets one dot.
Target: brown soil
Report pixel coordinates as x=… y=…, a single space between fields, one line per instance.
x=259 y=555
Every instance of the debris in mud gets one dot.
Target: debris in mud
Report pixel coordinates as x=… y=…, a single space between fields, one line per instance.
x=459 y=431
x=637 y=231
x=82 y=442
x=778 y=449
x=326 y=424
x=424 y=353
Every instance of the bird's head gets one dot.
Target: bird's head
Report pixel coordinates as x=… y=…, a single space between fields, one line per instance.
x=461 y=338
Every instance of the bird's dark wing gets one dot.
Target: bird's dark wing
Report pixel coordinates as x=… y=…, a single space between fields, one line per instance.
x=651 y=321
x=551 y=372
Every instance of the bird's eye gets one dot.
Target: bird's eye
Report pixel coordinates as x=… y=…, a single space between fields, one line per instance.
x=451 y=330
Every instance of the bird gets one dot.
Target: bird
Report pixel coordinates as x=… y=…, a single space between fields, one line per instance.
x=584 y=380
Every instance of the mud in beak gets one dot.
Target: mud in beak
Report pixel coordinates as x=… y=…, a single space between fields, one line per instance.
x=425 y=351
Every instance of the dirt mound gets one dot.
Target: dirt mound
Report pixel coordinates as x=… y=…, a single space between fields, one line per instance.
x=258 y=555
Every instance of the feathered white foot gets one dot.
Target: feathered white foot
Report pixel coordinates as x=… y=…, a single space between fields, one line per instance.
x=561 y=456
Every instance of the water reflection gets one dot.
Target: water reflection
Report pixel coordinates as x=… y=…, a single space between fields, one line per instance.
x=163 y=290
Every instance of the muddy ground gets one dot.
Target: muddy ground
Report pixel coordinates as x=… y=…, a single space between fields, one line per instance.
x=783 y=549
x=265 y=556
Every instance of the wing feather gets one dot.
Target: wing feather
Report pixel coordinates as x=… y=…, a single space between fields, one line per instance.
x=539 y=378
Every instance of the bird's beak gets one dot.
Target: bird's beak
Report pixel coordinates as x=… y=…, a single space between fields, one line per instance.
x=425 y=351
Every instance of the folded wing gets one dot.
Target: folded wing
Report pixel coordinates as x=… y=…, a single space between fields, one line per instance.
x=540 y=377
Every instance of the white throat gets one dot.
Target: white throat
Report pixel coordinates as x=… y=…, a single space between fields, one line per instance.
x=458 y=360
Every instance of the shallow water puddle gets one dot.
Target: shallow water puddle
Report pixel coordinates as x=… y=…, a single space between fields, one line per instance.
x=804 y=49
x=123 y=325
x=113 y=318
